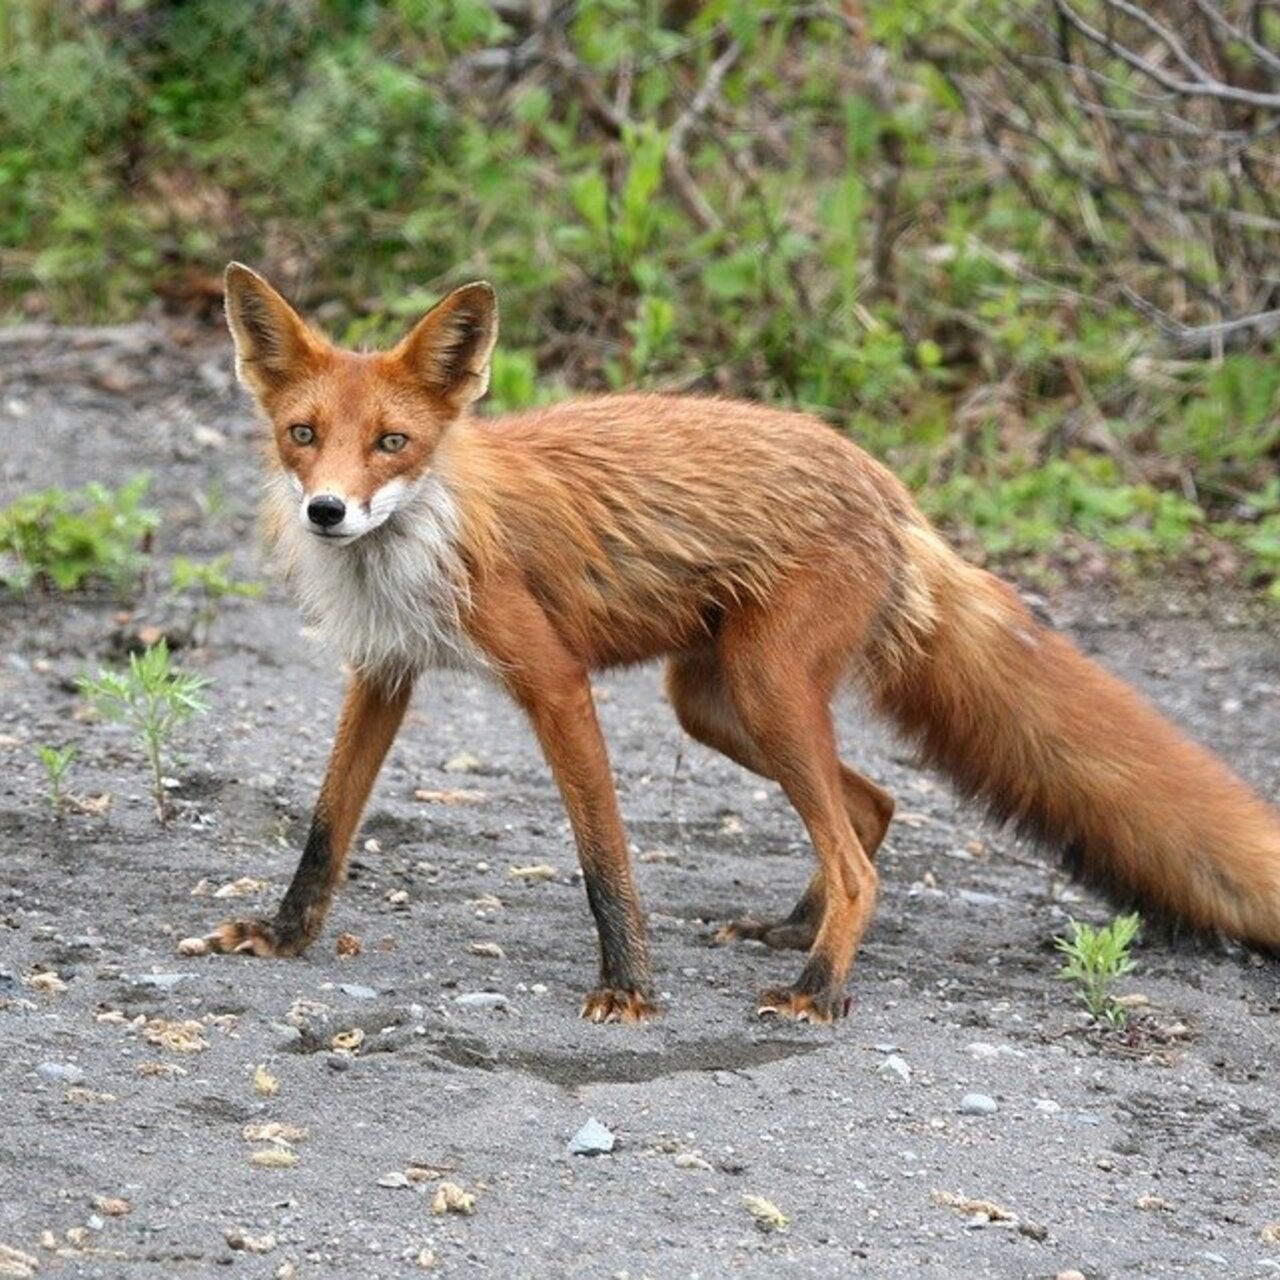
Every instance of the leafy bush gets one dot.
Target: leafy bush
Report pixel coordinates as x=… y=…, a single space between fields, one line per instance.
x=66 y=541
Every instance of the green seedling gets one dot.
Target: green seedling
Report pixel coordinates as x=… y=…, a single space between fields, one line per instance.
x=212 y=585
x=56 y=761
x=152 y=699
x=1095 y=958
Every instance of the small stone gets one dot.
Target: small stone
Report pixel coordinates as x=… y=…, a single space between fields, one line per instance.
x=357 y=991
x=490 y=950
x=977 y=1104
x=481 y=1000
x=981 y=1049
x=1047 y=1106
x=192 y=947
x=94 y=1222
x=593 y=1139
x=895 y=1068
x=426 y=1260
x=1071 y=1274
x=112 y=1206
x=398 y=897
x=395 y=1180
x=60 y=1073
x=338 y=1061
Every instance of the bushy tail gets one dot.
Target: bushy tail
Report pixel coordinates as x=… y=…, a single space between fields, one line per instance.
x=1017 y=716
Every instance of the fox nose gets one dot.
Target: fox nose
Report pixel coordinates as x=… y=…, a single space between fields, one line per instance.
x=326 y=510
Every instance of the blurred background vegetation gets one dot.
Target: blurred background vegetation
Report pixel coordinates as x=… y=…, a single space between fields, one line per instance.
x=1026 y=251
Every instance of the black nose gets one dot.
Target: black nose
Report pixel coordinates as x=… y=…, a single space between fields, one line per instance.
x=326 y=510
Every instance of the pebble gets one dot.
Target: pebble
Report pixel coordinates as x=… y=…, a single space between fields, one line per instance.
x=60 y=1073
x=593 y=1139
x=481 y=1000
x=895 y=1068
x=193 y=947
x=395 y=1180
x=339 y=1061
x=1048 y=1106
x=356 y=991
x=977 y=1104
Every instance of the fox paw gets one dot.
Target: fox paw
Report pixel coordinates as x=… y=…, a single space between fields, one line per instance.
x=256 y=938
x=610 y=1005
x=802 y=1006
x=781 y=935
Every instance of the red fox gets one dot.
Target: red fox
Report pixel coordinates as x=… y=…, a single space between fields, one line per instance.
x=769 y=559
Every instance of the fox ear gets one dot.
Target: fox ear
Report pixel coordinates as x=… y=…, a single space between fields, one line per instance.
x=272 y=339
x=450 y=347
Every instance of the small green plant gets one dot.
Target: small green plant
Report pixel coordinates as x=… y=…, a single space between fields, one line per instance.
x=211 y=582
x=154 y=700
x=56 y=761
x=69 y=540
x=1095 y=959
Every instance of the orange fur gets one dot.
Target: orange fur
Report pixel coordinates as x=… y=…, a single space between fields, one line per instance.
x=769 y=558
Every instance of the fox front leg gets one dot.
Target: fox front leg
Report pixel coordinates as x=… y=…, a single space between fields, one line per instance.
x=371 y=717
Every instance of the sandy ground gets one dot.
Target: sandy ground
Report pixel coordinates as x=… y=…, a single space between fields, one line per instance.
x=1150 y=1154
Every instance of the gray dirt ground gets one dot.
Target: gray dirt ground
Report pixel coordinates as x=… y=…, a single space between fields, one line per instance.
x=1153 y=1155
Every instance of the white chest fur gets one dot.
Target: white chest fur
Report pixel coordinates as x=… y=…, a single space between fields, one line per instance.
x=391 y=601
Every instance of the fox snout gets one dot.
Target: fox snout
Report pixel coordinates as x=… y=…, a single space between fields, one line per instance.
x=331 y=514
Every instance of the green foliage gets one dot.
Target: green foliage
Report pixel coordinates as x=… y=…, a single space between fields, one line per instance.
x=56 y=761
x=66 y=541
x=1095 y=958
x=152 y=699
x=837 y=242
x=210 y=582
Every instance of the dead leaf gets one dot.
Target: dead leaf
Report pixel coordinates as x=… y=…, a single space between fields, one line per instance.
x=659 y=855
x=348 y=1041
x=487 y=902
x=274 y=1131
x=538 y=871
x=274 y=1158
x=13 y=1262
x=451 y=1198
x=177 y=1037
x=427 y=1172
x=193 y=947
x=451 y=796
x=95 y=806
x=909 y=819
x=993 y=1211
x=348 y=945
x=265 y=1085
x=463 y=762
x=201 y=889
x=426 y=1260
x=1153 y=1204
x=767 y=1214
x=47 y=983
x=241 y=888
x=167 y=1070
x=112 y=1206
x=78 y=1094
x=1270 y=1234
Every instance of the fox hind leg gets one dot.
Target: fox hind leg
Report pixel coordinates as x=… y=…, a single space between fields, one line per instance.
x=697 y=691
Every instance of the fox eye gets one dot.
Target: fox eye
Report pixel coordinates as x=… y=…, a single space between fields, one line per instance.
x=302 y=434
x=393 y=442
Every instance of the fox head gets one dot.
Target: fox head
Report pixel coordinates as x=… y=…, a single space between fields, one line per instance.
x=355 y=432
